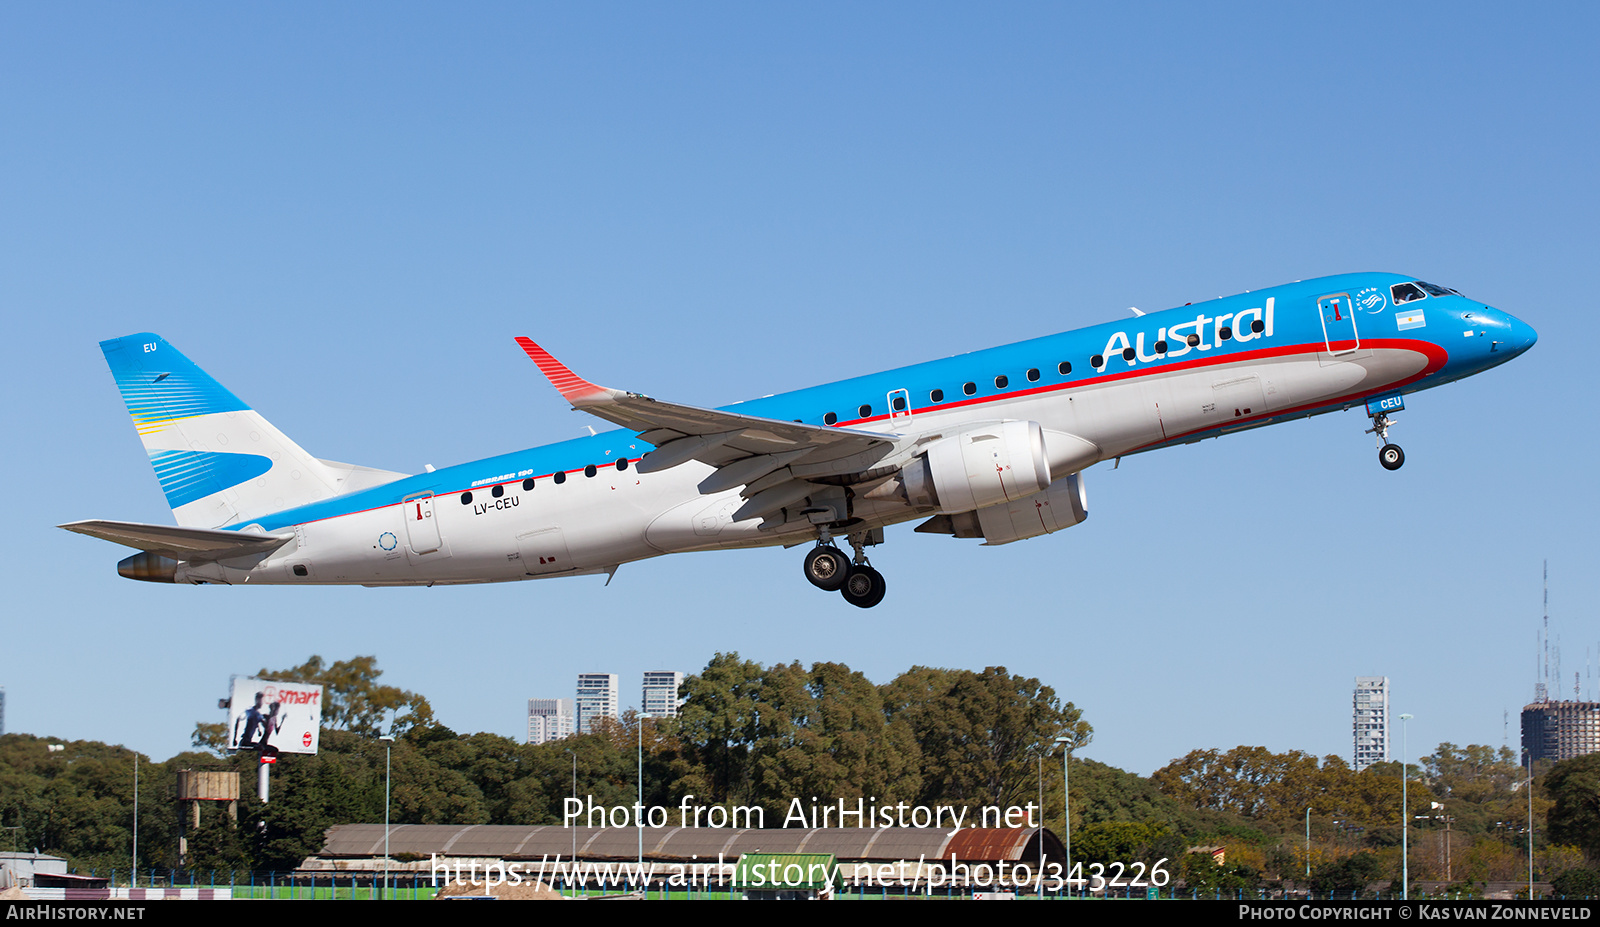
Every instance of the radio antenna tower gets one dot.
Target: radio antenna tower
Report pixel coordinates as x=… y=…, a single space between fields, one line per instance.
x=1541 y=689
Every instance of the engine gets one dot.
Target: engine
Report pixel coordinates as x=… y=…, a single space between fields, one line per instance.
x=982 y=466
x=1063 y=505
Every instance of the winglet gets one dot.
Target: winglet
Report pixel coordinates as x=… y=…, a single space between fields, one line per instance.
x=573 y=388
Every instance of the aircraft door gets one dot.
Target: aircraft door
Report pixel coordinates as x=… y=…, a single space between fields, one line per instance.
x=899 y=404
x=422 y=528
x=544 y=552
x=1338 y=323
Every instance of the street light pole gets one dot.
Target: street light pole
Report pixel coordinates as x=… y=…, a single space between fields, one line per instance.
x=136 y=819
x=388 y=745
x=1308 y=844
x=1405 y=813
x=639 y=815
x=1066 y=802
x=572 y=864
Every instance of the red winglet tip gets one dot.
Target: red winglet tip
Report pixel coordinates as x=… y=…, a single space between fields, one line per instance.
x=570 y=385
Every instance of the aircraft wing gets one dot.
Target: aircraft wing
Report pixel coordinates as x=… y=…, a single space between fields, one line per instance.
x=758 y=453
x=179 y=543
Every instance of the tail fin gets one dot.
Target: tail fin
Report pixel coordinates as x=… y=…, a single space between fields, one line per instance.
x=219 y=462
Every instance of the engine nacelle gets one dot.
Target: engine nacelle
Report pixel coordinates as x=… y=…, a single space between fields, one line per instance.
x=982 y=466
x=1063 y=505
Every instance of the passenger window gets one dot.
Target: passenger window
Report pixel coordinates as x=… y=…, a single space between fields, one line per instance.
x=466 y=498
x=1128 y=354
x=1224 y=333
x=899 y=403
x=865 y=410
x=1001 y=381
x=527 y=485
x=1161 y=347
x=1258 y=326
x=1033 y=374
x=590 y=470
x=969 y=388
x=1065 y=367
x=1097 y=361
x=560 y=476
x=498 y=491
x=622 y=463
x=936 y=396
x=830 y=419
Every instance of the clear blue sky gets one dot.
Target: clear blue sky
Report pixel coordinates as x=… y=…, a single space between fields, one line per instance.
x=347 y=212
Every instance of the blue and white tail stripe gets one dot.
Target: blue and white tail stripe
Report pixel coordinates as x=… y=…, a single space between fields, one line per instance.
x=189 y=476
x=218 y=461
x=160 y=385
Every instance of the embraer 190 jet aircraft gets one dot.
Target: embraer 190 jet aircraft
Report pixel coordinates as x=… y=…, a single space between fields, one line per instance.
x=986 y=445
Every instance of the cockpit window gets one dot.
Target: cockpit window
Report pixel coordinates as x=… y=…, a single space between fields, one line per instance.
x=1406 y=292
x=1433 y=290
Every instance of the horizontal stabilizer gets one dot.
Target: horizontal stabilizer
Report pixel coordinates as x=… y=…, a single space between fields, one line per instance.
x=180 y=543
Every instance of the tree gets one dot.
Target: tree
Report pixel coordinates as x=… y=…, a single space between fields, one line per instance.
x=824 y=734
x=1349 y=875
x=981 y=734
x=1574 y=786
x=719 y=722
x=1251 y=781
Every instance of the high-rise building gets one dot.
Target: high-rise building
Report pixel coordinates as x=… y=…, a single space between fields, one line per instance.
x=1555 y=731
x=597 y=698
x=660 y=698
x=550 y=719
x=1370 y=721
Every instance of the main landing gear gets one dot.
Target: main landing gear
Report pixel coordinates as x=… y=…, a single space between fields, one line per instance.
x=831 y=570
x=1389 y=455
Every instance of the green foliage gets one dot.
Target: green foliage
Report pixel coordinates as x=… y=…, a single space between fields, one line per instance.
x=1349 y=875
x=760 y=736
x=1200 y=872
x=1277 y=788
x=1574 y=787
x=981 y=734
x=1120 y=841
x=1577 y=883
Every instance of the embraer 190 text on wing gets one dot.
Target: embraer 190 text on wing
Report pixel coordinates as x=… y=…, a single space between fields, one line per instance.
x=985 y=445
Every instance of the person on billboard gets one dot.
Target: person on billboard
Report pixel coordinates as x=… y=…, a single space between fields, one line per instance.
x=258 y=726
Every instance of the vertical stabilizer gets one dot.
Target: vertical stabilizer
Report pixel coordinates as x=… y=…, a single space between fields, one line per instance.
x=219 y=462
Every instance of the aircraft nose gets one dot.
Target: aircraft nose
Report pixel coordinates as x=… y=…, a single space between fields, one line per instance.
x=1519 y=336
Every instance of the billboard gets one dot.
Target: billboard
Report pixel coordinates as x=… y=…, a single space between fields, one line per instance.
x=273 y=717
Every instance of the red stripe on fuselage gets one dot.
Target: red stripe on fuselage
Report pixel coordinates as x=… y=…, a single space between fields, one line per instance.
x=1436 y=355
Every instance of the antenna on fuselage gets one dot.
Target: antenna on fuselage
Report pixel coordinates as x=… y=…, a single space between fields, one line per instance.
x=1135 y=310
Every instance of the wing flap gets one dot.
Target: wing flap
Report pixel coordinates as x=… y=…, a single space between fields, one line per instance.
x=179 y=543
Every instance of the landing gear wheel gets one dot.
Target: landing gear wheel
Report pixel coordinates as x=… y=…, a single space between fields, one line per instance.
x=864 y=588
x=827 y=568
x=1391 y=457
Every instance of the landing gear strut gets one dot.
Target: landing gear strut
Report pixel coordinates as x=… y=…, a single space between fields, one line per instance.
x=830 y=569
x=1389 y=455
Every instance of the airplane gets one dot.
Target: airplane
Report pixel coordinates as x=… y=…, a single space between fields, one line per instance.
x=988 y=445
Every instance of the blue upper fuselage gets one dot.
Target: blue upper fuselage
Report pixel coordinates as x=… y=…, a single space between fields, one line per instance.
x=1460 y=336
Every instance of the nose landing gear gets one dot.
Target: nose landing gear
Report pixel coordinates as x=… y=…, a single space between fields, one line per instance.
x=1389 y=455
x=829 y=569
